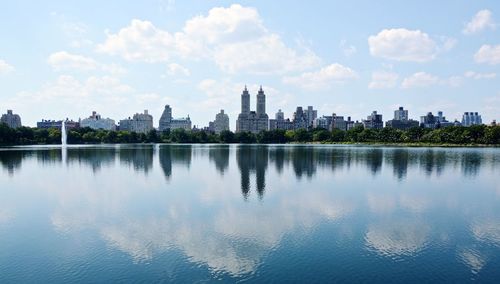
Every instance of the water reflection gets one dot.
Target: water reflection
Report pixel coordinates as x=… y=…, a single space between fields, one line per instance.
x=169 y=155
x=93 y=157
x=304 y=160
x=140 y=158
x=11 y=160
x=219 y=154
x=381 y=205
x=252 y=159
x=398 y=237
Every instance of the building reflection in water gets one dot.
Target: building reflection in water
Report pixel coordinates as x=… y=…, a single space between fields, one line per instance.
x=252 y=159
x=219 y=154
x=211 y=225
x=399 y=158
x=174 y=154
x=277 y=156
x=139 y=157
x=94 y=157
x=11 y=161
x=304 y=160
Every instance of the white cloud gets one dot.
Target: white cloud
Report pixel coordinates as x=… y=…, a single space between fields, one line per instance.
x=347 y=49
x=405 y=45
x=423 y=79
x=140 y=41
x=5 y=67
x=266 y=55
x=224 y=26
x=234 y=38
x=488 y=54
x=326 y=76
x=383 y=80
x=63 y=60
x=68 y=87
x=106 y=85
x=166 y=5
x=477 y=76
x=175 y=69
x=481 y=21
x=420 y=79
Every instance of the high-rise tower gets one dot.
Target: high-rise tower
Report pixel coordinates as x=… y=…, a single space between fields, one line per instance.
x=165 y=119
x=245 y=101
x=252 y=121
x=261 y=102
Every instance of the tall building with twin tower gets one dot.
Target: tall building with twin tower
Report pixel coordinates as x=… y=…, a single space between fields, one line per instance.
x=252 y=121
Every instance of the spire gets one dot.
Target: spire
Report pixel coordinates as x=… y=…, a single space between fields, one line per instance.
x=246 y=87
x=260 y=90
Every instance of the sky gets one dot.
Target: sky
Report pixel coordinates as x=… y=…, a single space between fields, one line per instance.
x=65 y=59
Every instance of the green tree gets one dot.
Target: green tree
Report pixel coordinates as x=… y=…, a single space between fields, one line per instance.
x=245 y=137
x=302 y=135
x=321 y=135
x=226 y=136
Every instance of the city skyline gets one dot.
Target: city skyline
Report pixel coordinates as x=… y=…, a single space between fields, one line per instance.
x=257 y=120
x=197 y=56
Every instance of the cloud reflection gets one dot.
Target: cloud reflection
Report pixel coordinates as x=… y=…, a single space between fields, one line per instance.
x=397 y=238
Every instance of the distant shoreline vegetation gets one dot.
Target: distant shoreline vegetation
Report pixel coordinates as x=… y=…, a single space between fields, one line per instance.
x=453 y=135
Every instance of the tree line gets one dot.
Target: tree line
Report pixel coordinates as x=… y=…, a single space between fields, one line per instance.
x=456 y=135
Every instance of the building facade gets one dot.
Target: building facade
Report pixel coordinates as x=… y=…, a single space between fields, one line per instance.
x=401 y=114
x=279 y=122
x=11 y=119
x=310 y=114
x=304 y=118
x=95 y=121
x=169 y=123
x=401 y=120
x=46 y=124
x=338 y=122
x=140 y=123
x=323 y=122
x=252 y=121
x=471 y=118
x=221 y=122
x=373 y=121
x=436 y=121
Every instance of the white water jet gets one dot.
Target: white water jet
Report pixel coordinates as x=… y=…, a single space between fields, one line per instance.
x=63 y=133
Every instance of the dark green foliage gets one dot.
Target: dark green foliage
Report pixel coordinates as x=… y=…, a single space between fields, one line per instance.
x=226 y=136
x=273 y=136
x=322 y=135
x=245 y=137
x=302 y=135
x=456 y=135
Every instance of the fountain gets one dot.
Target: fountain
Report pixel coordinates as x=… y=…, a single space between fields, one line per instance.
x=63 y=133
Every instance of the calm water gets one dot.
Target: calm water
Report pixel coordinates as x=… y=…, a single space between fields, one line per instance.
x=201 y=213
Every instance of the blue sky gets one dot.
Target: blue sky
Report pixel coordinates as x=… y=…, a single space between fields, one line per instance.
x=67 y=58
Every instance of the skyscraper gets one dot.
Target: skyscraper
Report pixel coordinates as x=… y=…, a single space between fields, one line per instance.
x=250 y=120
x=12 y=120
x=374 y=121
x=167 y=122
x=401 y=114
x=471 y=118
x=140 y=123
x=165 y=119
x=221 y=122
x=279 y=115
x=401 y=120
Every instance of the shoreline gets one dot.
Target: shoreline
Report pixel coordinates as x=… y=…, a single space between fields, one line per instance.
x=373 y=144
